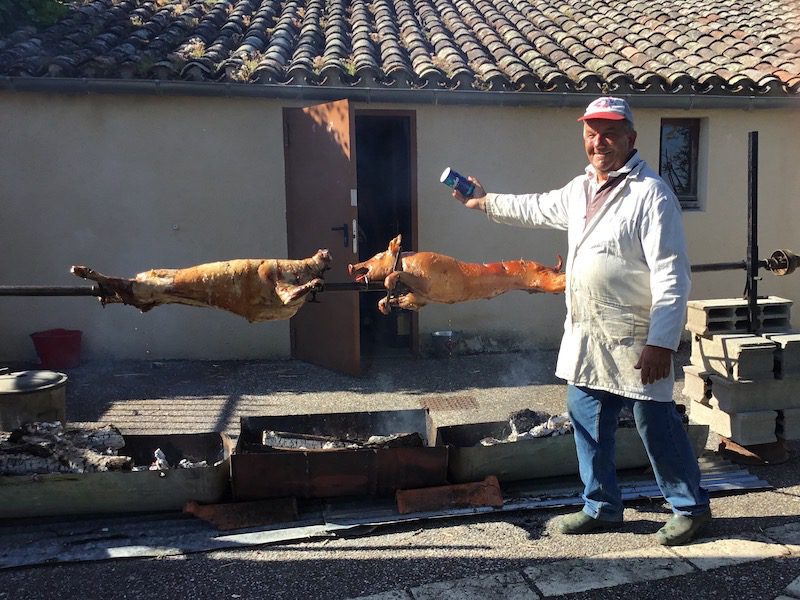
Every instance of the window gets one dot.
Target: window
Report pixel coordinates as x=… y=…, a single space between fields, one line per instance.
x=678 y=162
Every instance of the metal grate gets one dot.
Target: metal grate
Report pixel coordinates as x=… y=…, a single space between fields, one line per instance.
x=448 y=402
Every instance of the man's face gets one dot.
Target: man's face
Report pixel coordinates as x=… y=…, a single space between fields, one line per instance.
x=608 y=144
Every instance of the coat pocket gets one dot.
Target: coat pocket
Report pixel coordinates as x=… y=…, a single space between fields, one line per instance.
x=611 y=324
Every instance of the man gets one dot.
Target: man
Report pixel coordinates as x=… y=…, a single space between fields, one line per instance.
x=627 y=288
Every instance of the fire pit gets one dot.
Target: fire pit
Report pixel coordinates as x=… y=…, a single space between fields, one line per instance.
x=111 y=492
x=338 y=454
x=551 y=456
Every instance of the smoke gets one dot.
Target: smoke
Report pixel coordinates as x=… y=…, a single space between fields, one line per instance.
x=520 y=372
x=384 y=383
x=527 y=369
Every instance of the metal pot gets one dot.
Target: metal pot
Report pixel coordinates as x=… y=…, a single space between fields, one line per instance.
x=27 y=396
x=445 y=343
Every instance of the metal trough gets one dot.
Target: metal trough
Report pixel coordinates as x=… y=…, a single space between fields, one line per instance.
x=534 y=458
x=259 y=471
x=127 y=491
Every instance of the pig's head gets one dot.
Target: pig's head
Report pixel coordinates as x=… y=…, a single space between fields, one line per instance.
x=377 y=267
x=321 y=261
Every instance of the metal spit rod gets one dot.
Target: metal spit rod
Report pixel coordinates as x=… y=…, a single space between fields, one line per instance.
x=82 y=290
x=781 y=262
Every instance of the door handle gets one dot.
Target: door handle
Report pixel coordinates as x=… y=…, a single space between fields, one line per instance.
x=345 y=229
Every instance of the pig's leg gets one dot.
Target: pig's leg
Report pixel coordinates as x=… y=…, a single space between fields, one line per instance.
x=411 y=281
x=289 y=293
x=411 y=301
x=408 y=301
x=112 y=289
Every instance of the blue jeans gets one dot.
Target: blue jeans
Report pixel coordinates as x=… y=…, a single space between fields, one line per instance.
x=594 y=415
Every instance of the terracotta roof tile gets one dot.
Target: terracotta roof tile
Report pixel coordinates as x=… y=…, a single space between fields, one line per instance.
x=680 y=46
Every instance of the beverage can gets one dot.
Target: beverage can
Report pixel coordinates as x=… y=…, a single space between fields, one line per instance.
x=458 y=182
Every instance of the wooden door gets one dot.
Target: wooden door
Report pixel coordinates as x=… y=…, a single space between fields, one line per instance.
x=322 y=212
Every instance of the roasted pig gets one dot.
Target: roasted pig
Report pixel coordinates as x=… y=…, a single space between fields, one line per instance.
x=257 y=289
x=423 y=277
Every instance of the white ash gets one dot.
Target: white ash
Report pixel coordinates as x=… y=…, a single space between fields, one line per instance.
x=527 y=424
x=187 y=464
x=553 y=426
x=523 y=421
x=50 y=447
x=297 y=441
x=285 y=440
x=160 y=463
x=538 y=425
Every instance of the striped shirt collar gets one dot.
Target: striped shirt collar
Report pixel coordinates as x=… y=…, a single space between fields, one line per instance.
x=591 y=174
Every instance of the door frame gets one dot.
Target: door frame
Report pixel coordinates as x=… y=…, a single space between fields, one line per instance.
x=411 y=115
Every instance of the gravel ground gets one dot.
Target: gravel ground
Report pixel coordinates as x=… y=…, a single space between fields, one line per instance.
x=180 y=396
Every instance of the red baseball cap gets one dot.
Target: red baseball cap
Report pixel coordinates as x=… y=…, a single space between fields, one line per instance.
x=608 y=107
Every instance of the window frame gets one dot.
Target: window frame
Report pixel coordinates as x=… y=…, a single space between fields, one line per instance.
x=689 y=200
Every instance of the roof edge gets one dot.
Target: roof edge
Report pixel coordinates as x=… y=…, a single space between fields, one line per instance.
x=381 y=95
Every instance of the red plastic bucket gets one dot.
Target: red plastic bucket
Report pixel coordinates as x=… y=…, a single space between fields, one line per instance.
x=58 y=348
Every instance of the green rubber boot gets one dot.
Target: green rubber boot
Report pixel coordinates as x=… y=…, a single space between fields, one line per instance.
x=681 y=529
x=580 y=522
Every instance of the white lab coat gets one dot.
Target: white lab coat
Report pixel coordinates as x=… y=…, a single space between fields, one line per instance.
x=627 y=276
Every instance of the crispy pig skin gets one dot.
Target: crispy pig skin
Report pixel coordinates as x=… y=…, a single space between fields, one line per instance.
x=256 y=289
x=423 y=277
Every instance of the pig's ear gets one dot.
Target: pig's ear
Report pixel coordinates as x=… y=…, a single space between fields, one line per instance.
x=394 y=245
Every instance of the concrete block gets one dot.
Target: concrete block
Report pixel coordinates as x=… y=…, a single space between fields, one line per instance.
x=736 y=356
x=696 y=383
x=729 y=315
x=787 y=354
x=743 y=396
x=789 y=424
x=460 y=495
x=746 y=428
x=740 y=396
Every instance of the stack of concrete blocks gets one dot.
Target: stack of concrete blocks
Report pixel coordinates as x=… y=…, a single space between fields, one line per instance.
x=745 y=387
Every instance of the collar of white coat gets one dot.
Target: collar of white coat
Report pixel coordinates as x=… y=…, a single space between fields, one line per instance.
x=634 y=164
x=633 y=161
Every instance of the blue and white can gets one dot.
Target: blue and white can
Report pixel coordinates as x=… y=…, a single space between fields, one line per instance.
x=458 y=182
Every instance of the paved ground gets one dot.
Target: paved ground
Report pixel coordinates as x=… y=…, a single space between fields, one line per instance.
x=752 y=550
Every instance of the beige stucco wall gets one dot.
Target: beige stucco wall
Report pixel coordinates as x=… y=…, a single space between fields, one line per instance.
x=536 y=149
x=124 y=183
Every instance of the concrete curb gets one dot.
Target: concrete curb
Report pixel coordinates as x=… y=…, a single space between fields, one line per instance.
x=613 y=569
x=792 y=591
